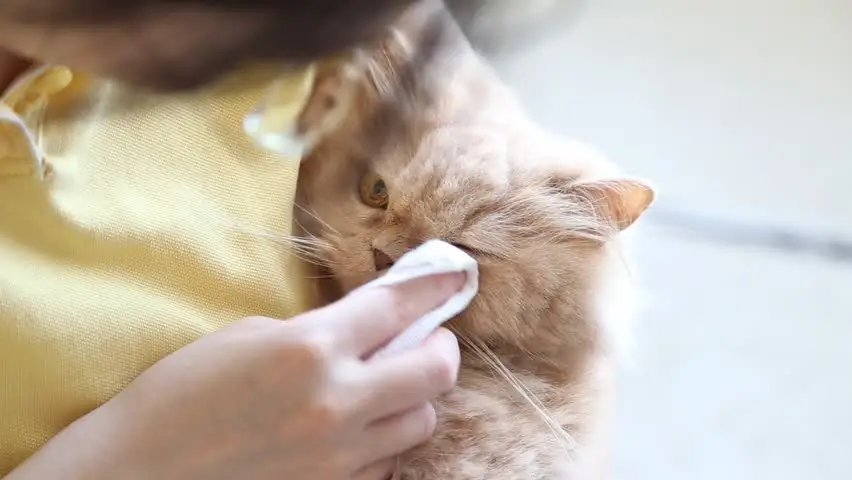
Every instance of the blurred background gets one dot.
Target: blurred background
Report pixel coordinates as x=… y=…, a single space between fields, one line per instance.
x=741 y=112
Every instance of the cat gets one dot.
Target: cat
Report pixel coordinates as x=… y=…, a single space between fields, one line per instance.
x=416 y=138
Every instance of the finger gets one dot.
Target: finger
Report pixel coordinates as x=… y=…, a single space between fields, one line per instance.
x=381 y=470
x=399 y=433
x=411 y=378
x=369 y=318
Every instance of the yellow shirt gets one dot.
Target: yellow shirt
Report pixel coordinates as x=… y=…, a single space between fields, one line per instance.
x=130 y=225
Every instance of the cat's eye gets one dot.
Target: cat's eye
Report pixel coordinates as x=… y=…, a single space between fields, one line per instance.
x=374 y=191
x=465 y=248
x=477 y=253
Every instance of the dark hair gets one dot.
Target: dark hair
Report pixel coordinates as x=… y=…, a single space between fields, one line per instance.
x=296 y=30
x=80 y=11
x=287 y=30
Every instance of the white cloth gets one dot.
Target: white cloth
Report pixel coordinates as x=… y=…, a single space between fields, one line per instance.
x=431 y=258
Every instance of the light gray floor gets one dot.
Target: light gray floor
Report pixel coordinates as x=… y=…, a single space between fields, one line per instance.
x=739 y=109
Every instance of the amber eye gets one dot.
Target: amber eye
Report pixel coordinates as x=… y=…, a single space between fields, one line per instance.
x=374 y=192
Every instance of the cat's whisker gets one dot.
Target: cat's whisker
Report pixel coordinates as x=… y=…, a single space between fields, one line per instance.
x=316 y=217
x=305 y=247
x=320 y=277
x=308 y=238
x=390 y=68
x=377 y=76
x=321 y=259
x=310 y=259
x=284 y=239
x=318 y=258
x=312 y=246
x=308 y=250
x=565 y=440
x=322 y=248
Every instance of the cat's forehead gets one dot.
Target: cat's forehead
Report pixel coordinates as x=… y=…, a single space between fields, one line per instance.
x=464 y=151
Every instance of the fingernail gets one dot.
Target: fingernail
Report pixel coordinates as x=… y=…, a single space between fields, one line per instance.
x=434 y=289
x=453 y=281
x=448 y=283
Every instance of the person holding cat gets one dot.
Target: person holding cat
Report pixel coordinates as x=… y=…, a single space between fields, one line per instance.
x=128 y=198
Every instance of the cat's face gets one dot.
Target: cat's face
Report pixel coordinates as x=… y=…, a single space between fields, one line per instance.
x=436 y=147
x=536 y=233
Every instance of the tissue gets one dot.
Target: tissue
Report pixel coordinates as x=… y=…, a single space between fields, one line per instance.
x=432 y=258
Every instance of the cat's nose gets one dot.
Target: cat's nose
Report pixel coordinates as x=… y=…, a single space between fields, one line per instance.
x=383 y=260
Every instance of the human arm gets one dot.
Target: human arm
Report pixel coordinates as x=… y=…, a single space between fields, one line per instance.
x=270 y=399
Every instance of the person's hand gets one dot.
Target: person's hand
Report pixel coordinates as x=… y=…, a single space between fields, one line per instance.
x=263 y=398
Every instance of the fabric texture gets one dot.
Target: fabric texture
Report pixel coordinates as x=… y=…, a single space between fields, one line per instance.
x=130 y=224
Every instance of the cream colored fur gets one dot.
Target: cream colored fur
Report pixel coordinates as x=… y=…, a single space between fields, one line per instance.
x=462 y=162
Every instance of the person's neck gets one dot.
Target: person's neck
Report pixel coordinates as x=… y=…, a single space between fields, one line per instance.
x=11 y=67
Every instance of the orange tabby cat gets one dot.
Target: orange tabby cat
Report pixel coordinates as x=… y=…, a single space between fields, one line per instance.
x=418 y=139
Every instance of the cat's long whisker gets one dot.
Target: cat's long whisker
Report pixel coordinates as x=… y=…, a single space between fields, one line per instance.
x=316 y=217
x=310 y=261
x=380 y=80
x=309 y=249
x=325 y=246
x=309 y=256
x=319 y=259
x=565 y=440
x=306 y=247
x=280 y=238
x=391 y=70
x=310 y=238
x=320 y=277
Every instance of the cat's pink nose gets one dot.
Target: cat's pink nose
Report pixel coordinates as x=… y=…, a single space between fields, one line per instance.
x=383 y=260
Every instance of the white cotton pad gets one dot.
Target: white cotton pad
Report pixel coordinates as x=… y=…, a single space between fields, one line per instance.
x=431 y=258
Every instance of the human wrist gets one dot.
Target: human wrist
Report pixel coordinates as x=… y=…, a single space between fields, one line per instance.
x=92 y=448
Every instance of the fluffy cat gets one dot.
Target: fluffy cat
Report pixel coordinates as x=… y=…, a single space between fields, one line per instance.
x=418 y=139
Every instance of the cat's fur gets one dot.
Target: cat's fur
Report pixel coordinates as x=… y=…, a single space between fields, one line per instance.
x=463 y=163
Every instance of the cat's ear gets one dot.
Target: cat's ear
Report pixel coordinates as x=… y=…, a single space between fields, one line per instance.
x=330 y=97
x=301 y=107
x=620 y=201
